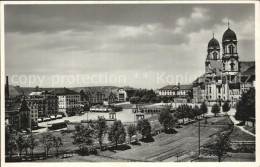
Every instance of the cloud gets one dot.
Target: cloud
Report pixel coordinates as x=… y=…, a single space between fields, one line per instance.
x=198 y=16
x=96 y=39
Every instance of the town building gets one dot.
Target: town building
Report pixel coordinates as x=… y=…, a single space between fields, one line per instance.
x=47 y=103
x=17 y=114
x=225 y=78
x=149 y=109
x=95 y=97
x=180 y=93
x=109 y=97
x=67 y=99
x=33 y=107
x=121 y=94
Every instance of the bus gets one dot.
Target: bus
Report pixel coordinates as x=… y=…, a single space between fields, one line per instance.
x=55 y=126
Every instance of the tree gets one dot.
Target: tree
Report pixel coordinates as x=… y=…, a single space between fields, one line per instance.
x=134 y=100
x=190 y=94
x=131 y=130
x=167 y=120
x=196 y=111
x=144 y=127
x=225 y=107
x=57 y=142
x=46 y=140
x=117 y=134
x=215 y=109
x=145 y=99
x=221 y=144
x=71 y=112
x=155 y=99
x=26 y=144
x=190 y=112
x=100 y=129
x=204 y=108
x=165 y=99
x=182 y=112
x=10 y=140
x=31 y=140
x=245 y=107
x=83 y=138
x=20 y=141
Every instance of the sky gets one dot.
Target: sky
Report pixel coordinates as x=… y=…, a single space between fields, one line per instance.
x=137 y=45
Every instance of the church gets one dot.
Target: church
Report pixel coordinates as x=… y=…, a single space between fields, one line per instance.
x=225 y=77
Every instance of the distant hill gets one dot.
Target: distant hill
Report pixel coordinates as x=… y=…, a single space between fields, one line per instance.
x=17 y=90
x=95 y=88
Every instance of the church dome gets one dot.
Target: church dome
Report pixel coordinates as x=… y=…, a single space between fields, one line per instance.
x=229 y=35
x=213 y=43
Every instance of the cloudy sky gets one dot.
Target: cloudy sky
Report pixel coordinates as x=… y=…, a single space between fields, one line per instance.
x=138 y=45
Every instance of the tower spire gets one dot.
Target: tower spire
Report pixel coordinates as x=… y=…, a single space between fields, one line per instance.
x=228 y=23
x=213 y=34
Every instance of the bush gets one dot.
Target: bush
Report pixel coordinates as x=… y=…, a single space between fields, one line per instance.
x=134 y=100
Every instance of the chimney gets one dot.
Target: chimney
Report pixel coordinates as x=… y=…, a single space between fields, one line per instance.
x=179 y=84
x=7 y=88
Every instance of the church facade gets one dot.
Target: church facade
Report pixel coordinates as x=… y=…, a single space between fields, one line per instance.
x=225 y=77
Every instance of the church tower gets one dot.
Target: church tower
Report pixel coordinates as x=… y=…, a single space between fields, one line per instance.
x=213 y=60
x=230 y=55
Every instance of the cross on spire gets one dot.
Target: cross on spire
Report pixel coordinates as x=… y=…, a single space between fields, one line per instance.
x=228 y=23
x=213 y=34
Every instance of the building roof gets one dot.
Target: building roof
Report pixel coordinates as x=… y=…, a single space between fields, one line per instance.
x=14 y=106
x=35 y=94
x=154 y=107
x=180 y=87
x=107 y=94
x=249 y=71
x=213 y=43
x=245 y=65
x=64 y=91
x=229 y=35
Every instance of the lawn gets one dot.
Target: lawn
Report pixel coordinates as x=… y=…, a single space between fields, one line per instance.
x=250 y=129
x=230 y=157
x=165 y=147
x=239 y=135
x=78 y=158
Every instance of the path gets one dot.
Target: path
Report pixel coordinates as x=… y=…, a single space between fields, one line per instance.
x=232 y=113
x=240 y=127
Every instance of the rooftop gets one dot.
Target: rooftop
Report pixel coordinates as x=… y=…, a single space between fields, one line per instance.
x=179 y=87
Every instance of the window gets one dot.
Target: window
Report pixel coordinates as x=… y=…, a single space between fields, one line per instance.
x=215 y=56
x=231 y=49
x=209 y=89
x=232 y=66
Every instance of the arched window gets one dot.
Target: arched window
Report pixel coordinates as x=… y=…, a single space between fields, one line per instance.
x=215 y=56
x=232 y=65
x=231 y=49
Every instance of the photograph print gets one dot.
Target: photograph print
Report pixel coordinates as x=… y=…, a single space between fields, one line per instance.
x=128 y=82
